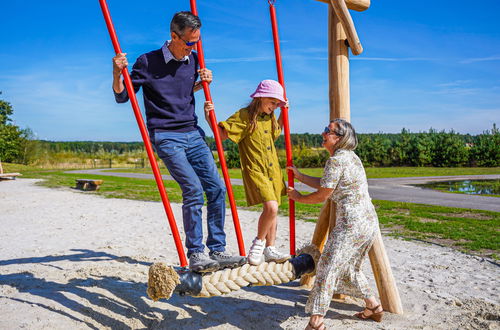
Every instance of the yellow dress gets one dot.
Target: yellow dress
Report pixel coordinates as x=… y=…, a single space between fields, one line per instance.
x=260 y=167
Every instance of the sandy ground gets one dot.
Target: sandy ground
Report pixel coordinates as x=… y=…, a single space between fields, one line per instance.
x=73 y=260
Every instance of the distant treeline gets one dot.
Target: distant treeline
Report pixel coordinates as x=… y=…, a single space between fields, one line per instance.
x=432 y=148
x=92 y=147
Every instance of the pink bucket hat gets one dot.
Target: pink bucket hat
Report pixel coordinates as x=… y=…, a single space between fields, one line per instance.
x=270 y=88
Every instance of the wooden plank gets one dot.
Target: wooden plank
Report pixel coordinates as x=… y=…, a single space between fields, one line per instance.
x=357 y=5
x=9 y=175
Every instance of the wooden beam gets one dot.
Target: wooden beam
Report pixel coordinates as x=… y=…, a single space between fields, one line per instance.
x=344 y=16
x=357 y=5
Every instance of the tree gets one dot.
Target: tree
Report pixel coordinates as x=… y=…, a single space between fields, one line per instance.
x=12 y=138
x=485 y=150
x=5 y=112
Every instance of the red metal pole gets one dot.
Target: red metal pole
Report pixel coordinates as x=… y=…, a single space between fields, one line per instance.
x=145 y=137
x=286 y=125
x=218 y=143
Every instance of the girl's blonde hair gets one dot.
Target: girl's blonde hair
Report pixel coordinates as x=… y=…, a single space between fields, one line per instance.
x=253 y=111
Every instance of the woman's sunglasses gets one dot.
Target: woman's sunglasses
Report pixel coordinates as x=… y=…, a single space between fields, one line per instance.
x=328 y=131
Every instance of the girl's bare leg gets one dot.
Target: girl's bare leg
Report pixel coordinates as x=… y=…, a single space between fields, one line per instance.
x=268 y=222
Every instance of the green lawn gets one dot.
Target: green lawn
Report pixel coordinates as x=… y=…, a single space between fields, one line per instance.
x=371 y=172
x=467 y=230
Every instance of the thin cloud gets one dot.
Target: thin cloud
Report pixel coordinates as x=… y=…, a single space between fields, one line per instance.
x=481 y=59
x=394 y=59
x=240 y=59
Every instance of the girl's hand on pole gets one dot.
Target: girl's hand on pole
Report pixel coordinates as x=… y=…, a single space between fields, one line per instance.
x=293 y=194
x=209 y=106
x=287 y=104
x=205 y=75
x=119 y=63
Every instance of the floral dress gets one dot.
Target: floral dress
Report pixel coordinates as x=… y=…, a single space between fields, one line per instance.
x=261 y=172
x=339 y=267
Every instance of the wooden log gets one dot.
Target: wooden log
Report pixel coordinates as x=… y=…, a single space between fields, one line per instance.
x=386 y=285
x=345 y=18
x=88 y=184
x=323 y=227
x=357 y=5
x=338 y=64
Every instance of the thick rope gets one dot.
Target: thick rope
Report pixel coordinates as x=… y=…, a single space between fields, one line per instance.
x=163 y=279
x=229 y=280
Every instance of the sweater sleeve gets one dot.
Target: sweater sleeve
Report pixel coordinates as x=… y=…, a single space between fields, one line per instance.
x=138 y=76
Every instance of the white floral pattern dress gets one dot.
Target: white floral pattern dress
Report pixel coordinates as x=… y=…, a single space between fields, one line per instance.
x=339 y=267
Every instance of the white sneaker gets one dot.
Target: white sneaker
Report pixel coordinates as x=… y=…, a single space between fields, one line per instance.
x=255 y=255
x=272 y=254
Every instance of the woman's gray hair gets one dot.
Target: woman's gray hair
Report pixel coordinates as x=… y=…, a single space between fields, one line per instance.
x=184 y=20
x=347 y=134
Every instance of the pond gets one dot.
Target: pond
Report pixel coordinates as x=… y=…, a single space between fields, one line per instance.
x=471 y=187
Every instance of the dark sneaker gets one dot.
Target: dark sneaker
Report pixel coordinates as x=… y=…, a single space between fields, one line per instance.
x=200 y=262
x=227 y=260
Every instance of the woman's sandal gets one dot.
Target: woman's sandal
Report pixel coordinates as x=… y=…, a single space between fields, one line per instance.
x=320 y=326
x=377 y=317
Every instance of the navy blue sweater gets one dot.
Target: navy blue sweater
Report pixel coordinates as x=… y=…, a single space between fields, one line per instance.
x=167 y=90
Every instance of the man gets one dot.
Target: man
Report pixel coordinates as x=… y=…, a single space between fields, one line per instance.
x=168 y=77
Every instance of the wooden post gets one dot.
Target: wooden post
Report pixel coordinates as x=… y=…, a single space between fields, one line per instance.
x=338 y=64
x=338 y=61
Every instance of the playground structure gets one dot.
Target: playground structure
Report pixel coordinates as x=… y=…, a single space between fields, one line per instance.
x=342 y=36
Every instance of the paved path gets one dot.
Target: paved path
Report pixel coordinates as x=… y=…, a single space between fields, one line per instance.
x=390 y=189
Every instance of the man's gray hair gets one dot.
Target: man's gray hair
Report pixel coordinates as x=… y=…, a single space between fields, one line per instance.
x=184 y=20
x=347 y=134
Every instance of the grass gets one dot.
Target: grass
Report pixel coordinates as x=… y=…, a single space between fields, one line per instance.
x=467 y=230
x=371 y=172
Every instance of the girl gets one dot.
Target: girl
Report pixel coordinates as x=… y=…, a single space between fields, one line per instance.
x=255 y=128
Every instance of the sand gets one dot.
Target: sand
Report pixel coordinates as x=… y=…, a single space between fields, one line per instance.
x=74 y=260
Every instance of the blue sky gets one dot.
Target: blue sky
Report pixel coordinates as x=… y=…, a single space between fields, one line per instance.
x=425 y=63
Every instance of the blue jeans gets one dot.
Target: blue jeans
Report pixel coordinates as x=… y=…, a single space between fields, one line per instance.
x=191 y=163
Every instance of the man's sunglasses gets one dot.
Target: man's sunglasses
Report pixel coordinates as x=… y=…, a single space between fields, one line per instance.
x=188 y=43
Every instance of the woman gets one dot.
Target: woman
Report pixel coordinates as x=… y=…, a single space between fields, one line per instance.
x=339 y=267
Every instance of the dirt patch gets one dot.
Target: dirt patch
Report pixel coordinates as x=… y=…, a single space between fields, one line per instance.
x=427 y=220
x=477 y=216
x=402 y=211
x=479 y=315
